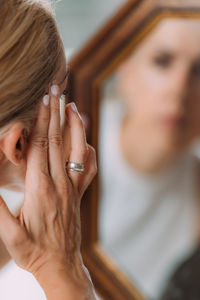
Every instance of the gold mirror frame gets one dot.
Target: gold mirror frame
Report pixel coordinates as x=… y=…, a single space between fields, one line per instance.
x=89 y=70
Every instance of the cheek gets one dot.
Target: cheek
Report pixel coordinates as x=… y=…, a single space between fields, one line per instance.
x=145 y=91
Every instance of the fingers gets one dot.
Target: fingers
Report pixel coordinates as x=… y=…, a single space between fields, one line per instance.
x=90 y=170
x=37 y=153
x=79 y=148
x=66 y=141
x=56 y=161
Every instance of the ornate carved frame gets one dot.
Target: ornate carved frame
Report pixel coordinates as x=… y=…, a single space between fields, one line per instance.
x=89 y=69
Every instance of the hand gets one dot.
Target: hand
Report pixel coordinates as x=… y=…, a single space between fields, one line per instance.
x=46 y=237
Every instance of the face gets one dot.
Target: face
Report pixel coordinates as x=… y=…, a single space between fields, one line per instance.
x=12 y=176
x=160 y=83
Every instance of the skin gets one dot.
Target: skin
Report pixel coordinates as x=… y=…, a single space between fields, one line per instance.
x=160 y=84
x=45 y=238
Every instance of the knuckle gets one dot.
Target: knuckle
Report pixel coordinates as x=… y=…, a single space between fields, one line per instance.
x=94 y=170
x=44 y=118
x=40 y=143
x=92 y=151
x=93 y=156
x=93 y=162
x=56 y=139
x=55 y=108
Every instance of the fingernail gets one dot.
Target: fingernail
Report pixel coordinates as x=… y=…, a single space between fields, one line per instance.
x=55 y=90
x=73 y=107
x=46 y=100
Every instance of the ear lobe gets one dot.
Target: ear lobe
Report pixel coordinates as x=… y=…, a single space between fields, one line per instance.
x=13 y=144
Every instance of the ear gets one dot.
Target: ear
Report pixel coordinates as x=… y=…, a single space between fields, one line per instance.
x=13 y=143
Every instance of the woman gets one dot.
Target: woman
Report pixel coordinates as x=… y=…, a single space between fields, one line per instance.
x=44 y=238
x=146 y=141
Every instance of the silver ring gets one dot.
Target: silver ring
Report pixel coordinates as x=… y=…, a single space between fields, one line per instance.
x=76 y=167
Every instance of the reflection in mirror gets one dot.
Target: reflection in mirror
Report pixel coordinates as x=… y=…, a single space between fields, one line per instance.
x=149 y=167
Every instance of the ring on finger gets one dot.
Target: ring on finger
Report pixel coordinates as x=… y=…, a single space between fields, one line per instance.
x=75 y=167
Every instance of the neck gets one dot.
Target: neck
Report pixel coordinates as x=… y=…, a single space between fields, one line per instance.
x=12 y=177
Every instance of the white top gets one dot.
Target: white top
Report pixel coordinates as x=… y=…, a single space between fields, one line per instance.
x=147 y=223
x=17 y=284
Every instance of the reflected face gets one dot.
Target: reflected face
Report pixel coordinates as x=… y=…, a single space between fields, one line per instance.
x=161 y=83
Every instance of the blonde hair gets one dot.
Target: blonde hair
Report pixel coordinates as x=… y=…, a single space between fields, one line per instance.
x=31 y=54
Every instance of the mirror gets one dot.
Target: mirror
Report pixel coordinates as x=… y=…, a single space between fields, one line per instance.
x=138 y=82
x=148 y=167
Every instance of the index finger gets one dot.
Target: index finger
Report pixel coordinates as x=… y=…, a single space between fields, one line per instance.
x=37 y=154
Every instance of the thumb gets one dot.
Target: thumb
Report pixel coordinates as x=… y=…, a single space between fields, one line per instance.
x=9 y=225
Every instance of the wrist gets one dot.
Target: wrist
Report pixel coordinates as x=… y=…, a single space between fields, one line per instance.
x=63 y=281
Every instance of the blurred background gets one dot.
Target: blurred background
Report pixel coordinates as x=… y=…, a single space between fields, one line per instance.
x=78 y=20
